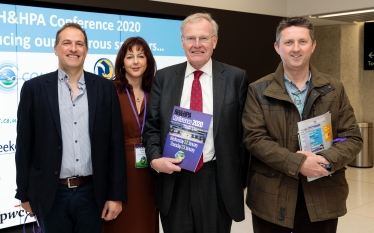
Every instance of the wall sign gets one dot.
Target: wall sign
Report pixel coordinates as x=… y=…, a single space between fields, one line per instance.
x=369 y=46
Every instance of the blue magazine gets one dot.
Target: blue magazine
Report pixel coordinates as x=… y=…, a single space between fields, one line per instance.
x=186 y=138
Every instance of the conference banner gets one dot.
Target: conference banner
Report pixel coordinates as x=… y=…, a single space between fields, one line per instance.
x=27 y=39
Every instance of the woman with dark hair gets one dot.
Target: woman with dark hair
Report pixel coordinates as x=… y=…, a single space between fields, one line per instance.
x=134 y=72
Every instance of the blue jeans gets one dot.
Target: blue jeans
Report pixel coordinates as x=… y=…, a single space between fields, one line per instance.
x=74 y=210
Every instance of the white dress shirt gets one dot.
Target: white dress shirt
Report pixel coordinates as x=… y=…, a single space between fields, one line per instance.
x=206 y=81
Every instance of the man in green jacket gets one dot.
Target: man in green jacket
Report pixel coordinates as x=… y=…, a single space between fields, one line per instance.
x=279 y=195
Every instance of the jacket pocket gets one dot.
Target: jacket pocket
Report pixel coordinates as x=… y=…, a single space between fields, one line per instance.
x=263 y=189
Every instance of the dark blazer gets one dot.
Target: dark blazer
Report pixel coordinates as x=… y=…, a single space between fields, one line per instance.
x=39 y=142
x=229 y=93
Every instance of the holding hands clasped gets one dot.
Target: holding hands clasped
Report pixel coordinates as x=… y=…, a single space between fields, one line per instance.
x=314 y=165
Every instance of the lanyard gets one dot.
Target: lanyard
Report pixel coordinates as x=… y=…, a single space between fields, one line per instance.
x=136 y=113
x=33 y=229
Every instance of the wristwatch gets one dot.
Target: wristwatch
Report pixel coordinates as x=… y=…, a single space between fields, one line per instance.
x=325 y=166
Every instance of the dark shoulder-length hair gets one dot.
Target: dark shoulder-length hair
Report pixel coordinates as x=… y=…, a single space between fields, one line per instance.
x=120 y=80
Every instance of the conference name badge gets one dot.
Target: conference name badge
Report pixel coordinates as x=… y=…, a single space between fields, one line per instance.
x=140 y=157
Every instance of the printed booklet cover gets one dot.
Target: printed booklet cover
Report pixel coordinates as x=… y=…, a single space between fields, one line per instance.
x=186 y=137
x=315 y=134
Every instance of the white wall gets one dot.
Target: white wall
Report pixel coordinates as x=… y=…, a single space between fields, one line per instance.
x=280 y=7
x=310 y=7
x=265 y=7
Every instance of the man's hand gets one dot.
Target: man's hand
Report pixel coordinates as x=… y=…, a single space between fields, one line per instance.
x=166 y=165
x=26 y=206
x=111 y=210
x=311 y=166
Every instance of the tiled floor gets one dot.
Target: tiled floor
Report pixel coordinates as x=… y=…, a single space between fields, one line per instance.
x=360 y=204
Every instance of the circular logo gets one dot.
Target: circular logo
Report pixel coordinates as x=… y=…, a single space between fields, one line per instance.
x=180 y=155
x=8 y=76
x=104 y=67
x=143 y=160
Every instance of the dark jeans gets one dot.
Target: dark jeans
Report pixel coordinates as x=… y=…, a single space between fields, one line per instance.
x=74 y=210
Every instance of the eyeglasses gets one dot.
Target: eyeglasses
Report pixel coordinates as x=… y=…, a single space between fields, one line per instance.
x=202 y=39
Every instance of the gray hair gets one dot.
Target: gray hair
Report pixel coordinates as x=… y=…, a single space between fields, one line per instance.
x=198 y=16
x=294 y=21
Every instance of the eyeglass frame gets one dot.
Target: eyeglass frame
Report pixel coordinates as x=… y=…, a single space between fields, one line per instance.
x=193 y=39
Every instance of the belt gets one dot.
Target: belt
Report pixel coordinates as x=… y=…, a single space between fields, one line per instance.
x=132 y=141
x=75 y=181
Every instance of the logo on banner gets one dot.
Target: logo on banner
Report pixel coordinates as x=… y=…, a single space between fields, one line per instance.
x=8 y=76
x=104 y=67
x=12 y=214
x=8 y=147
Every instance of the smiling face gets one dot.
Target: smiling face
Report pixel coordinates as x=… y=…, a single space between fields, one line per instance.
x=135 y=63
x=198 y=53
x=71 y=50
x=295 y=48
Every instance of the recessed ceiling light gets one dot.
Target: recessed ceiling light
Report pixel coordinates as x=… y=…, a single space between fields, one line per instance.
x=344 y=13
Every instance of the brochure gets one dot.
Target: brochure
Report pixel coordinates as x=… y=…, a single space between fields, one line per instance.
x=186 y=137
x=315 y=134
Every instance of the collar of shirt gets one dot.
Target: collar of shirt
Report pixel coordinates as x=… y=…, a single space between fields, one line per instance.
x=207 y=91
x=292 y=88
x=207 y=68
x=298 y=96
x=64 y=77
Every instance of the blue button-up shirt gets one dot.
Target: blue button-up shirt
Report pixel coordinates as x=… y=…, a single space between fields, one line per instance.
x=297 y=96
x=76 y=145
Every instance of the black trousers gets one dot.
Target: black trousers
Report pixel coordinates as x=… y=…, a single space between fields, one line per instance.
x=197 y=205
x=302 y=223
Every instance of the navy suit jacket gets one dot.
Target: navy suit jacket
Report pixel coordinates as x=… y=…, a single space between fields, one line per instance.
x=39 y=142
x=230 y=86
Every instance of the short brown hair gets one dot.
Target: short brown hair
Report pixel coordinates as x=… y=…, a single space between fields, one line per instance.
x=294 y=21
x=71 y=25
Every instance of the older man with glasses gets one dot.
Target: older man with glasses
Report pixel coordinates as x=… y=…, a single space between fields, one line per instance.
x=207 y=200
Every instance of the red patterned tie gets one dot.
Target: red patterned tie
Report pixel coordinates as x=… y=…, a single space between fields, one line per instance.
x=196 y=104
